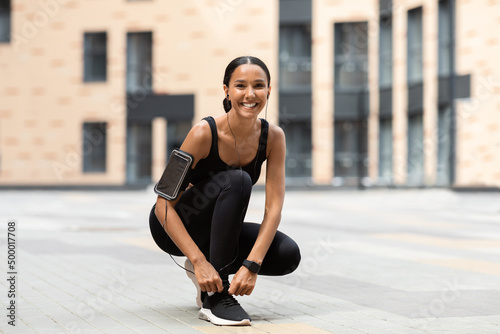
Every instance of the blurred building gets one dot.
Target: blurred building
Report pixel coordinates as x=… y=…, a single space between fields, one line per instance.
x=369 y=93
x=97 y=92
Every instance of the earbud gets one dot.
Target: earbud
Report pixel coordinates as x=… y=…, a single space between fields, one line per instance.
x=268 y=96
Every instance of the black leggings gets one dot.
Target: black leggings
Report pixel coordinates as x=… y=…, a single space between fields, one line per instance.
x=212 y=212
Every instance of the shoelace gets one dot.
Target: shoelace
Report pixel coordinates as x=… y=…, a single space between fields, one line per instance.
x=228 y=301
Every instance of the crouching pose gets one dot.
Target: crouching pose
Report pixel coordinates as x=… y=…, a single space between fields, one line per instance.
x=223 y=156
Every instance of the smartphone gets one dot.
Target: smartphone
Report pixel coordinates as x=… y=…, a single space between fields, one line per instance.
x=175 y=177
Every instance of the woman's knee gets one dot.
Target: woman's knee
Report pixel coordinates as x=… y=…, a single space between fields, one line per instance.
x=234 y=179
x=292 y=255
x=283 y=256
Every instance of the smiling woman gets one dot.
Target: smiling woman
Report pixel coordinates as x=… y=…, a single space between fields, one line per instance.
x=206 y=223
x=260 y=80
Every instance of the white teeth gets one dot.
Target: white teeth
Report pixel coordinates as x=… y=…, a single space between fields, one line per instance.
x=249 y=105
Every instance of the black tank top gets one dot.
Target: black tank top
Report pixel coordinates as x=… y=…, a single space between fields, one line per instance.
x=213 y=162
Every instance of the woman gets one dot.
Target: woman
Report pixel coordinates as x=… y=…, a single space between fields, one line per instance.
x=205 y=223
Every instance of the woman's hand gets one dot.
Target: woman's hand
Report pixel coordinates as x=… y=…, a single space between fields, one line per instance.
x=208 y=278
x=243 y=282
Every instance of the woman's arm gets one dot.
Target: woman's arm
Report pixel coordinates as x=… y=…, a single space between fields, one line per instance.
x=208 y=278
x=275 y=195
x=244 y=280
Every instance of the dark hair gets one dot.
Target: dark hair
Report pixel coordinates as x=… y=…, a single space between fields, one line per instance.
x=231 y=67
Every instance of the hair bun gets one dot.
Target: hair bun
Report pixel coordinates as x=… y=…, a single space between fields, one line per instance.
x=227 y=104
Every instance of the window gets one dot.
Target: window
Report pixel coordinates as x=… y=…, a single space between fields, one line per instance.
x=445 y=126
x=415 y=57
x=295 y=56
x=351 y=55
x=415 y=149
x=385 y=52
x=94 y=147
x=385 y=93
x=295 y=91
x=444 y=49
x=385 y=7
x=139 y=62
x=415 y=98
x=139 y=152
x=351 y=97
x=94 y=67
x=298 y=146
x=385 y=150
x=444 y=146
x=5 y=21
x=351 y=147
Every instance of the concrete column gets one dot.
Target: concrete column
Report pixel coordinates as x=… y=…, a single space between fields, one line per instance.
x=322 y=96
x=373 y=79
x=430 y=54
x=400 y=92
x=159 y=147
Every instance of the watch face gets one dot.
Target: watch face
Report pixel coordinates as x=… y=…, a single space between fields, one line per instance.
x=252 y=266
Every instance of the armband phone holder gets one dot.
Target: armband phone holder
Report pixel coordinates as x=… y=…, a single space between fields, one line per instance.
x=175 y=177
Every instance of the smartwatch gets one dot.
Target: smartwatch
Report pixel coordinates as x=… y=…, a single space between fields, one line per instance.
x=252 y=266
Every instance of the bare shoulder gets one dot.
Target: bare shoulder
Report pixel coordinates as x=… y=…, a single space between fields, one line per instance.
x=201 y=131
x=275 y=130
x=198 y=141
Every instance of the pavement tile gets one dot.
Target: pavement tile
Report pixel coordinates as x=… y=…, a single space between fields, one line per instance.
x=20 y=327
x=377 y=261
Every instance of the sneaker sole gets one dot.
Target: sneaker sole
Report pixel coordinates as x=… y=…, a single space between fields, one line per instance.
x=206 y=314
x=188 y=265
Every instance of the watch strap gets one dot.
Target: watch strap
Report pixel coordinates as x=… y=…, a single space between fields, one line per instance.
x=252 y=266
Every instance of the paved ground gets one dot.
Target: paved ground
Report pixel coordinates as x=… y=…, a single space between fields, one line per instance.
x=378 y=261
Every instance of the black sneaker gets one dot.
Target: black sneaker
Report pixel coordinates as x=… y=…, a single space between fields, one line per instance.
x=223 y=310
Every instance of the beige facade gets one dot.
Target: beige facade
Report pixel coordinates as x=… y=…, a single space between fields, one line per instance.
x=478 y=117
x=478 y=47
x=44 y=100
